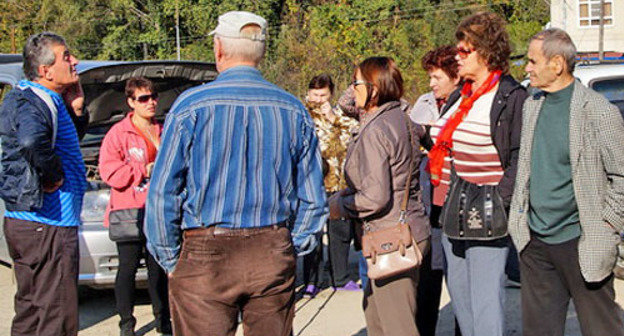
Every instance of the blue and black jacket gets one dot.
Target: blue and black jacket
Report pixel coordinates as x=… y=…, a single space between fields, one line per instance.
x=27 y=157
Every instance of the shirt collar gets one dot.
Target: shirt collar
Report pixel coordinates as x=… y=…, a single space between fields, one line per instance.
x=240 y=71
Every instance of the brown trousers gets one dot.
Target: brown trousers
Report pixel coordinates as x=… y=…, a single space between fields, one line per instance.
x=45 y=260
x=246 y=271
x=390 y=304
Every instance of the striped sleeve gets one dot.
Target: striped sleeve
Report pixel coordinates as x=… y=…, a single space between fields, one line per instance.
x=312 y=211
x=163 y=209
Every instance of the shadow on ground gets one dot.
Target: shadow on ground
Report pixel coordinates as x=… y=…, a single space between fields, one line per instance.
x=97 y=305
x=362 y=332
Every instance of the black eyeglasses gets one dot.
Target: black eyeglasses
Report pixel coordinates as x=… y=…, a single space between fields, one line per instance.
x=145 y=98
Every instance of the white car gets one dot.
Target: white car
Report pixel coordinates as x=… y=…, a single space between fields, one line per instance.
x=103 y=83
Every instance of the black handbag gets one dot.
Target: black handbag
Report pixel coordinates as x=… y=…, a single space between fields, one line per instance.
x=473 y=212
x=126 y=225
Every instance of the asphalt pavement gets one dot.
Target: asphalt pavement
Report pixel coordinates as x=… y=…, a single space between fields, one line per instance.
x=331 y=313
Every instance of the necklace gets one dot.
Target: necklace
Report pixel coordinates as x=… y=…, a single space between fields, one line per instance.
x=146 y=130
x=154 y=139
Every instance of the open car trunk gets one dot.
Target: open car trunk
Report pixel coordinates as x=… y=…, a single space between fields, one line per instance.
x=106 y=101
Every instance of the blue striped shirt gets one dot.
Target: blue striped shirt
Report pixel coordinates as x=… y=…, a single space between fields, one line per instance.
x=62 y=207
x=238 y=152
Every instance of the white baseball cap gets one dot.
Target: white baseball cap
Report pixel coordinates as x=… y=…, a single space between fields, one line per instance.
x=231 y=23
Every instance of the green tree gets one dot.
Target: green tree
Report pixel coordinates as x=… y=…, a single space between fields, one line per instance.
x=307 y=37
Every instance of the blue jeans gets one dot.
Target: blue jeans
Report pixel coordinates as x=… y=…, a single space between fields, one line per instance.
x=475 y=278
x=362 y=269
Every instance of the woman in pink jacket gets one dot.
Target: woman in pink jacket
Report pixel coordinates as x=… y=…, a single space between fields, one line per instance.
x=126 y=159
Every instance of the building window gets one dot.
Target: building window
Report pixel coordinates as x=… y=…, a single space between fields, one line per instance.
x=589 y=12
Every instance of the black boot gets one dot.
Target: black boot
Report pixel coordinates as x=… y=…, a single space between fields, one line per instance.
x=126 y=328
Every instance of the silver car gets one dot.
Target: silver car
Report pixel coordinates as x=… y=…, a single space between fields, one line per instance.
x=103 y=83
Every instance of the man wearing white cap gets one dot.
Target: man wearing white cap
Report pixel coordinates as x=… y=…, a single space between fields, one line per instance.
x=237 y=192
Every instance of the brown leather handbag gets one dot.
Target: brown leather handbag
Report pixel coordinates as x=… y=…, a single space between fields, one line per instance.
x=391 y=251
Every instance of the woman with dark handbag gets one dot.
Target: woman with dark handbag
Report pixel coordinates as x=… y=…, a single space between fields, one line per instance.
x=383 y=197
x=126 y=160
x=474 y=163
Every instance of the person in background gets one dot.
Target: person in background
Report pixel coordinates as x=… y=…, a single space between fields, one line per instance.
x=479 y=134
x=441 y=66
x=238 y=193
x=333 y=130
x=376 y=170
x=42 y=183
x=126 y=162
x=567 y=206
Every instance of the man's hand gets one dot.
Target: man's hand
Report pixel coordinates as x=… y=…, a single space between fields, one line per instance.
x=334 y=206
x=74 y=97
x=52 y=187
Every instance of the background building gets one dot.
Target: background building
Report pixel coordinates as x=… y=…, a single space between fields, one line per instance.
x=580 y=18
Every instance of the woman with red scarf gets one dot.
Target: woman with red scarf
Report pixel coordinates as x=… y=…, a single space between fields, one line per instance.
x=479 y=136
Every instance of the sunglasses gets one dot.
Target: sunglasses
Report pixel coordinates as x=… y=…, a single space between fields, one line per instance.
x=145 y=98
x=359 y=82
x=464 y=52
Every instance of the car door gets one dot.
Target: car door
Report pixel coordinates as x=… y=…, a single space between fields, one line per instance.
x=612 y=88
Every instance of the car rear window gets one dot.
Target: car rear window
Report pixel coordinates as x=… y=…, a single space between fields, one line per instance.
x=612 y=89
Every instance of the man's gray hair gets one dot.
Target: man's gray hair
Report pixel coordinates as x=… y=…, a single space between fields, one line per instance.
x=246 y=47
x=557 y=42
x=38 y=51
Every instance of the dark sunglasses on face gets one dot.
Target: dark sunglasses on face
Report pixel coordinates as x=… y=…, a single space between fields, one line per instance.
x=358 y=82
x=464 y=52
x=146 y=98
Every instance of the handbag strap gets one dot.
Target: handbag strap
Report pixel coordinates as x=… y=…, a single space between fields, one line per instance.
x=408 y=182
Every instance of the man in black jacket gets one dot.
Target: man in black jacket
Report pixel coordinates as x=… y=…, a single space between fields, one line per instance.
x=42 y=182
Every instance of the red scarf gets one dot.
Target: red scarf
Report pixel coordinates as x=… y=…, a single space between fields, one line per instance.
x=444 y=143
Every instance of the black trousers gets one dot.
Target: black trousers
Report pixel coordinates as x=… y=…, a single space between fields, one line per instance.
x=430 y=289
x=312 y=264
x=551 y=275
x=45 y=260
x=130 y=255
x=341 y=233
x=428 y=298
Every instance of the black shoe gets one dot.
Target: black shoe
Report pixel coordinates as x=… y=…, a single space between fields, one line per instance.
x=126 y=328
x=164 y=328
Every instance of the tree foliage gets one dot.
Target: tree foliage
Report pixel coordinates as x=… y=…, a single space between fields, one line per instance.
x=307 y=37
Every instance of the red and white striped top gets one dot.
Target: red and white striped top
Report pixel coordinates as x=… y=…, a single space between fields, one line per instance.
x=476 y=159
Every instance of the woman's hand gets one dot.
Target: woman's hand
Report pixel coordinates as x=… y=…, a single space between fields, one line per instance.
x=327 y=111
